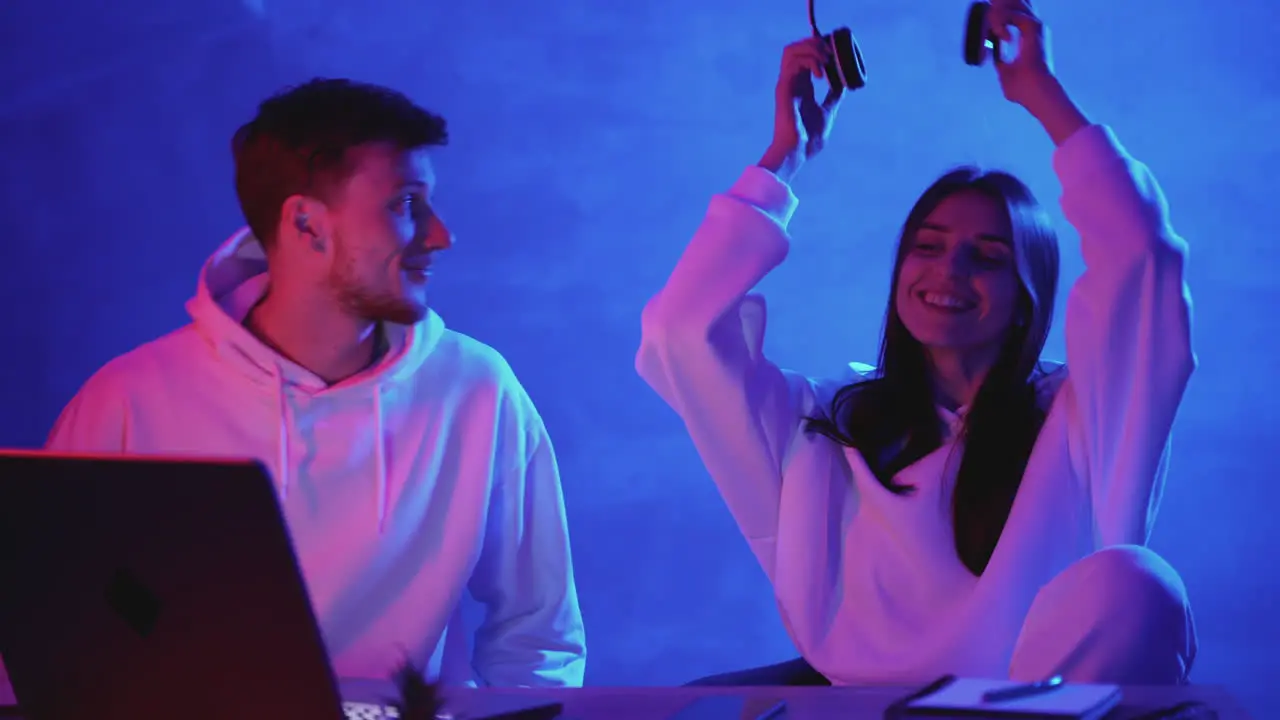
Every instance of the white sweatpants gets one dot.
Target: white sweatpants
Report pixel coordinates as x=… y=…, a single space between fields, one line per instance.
x=1120 y=615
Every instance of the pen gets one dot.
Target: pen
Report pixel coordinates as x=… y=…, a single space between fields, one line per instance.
x=900 y=707
x=774 y=712
x=1021 y=691
x=930 y=689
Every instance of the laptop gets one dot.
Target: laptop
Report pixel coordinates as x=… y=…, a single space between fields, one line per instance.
x=135 y=587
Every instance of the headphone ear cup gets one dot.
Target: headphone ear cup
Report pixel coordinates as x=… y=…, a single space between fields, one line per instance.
x=978 y=43
x=849 y=69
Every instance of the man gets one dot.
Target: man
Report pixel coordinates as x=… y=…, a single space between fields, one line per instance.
x=410 y=463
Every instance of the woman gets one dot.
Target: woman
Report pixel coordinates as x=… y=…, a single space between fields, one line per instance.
x=961 y=509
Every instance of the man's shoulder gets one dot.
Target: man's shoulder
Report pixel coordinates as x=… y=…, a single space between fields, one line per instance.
x=147 y=364
x=469 y=359
x=470 y=367
x=478 y=372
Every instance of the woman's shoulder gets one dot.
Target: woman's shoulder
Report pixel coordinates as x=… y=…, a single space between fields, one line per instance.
x=1048 y=378
x=826 y=387
x=857 y=372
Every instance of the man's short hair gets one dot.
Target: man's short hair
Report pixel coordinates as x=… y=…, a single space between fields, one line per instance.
x=299 y=143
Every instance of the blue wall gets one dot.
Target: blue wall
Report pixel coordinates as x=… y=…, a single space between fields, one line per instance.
x=587 y=140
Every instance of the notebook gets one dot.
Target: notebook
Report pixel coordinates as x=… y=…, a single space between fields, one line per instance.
x=963 y=698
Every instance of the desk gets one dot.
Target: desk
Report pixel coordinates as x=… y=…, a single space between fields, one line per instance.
x=808 y=703
x=846 y=703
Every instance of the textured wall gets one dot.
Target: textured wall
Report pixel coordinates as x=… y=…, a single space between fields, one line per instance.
x=588 y=137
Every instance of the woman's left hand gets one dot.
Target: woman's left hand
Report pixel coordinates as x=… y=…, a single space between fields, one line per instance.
x=1028 y=78
x=1029 y=75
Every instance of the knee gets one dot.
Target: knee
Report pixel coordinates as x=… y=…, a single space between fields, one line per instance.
x=1118 y=615
x=1141 y=599
x=1134 y=577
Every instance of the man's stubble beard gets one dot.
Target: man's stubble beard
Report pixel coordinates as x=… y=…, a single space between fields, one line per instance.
x=358 y=297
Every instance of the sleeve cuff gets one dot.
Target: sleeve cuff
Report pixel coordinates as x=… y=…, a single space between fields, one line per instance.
x=767 y=192
x=1091 y=151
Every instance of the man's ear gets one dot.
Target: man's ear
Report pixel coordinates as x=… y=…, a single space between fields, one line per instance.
x=307 y=220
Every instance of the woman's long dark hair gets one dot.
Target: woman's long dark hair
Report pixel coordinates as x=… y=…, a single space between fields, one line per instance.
x=892 y=420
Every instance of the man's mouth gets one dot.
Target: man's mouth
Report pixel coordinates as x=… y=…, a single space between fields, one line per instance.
x=417 y=264
x=417 y=269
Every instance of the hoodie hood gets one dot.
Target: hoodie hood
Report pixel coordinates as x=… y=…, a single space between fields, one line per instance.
x=235 y=278
x=231 y=282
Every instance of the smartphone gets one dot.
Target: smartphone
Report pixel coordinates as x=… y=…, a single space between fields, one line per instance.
x=730 y=707
x=546 y=711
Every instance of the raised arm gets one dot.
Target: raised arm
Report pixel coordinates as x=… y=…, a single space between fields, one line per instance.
x=702 y=335
x=1129 y=351
x=701 y=350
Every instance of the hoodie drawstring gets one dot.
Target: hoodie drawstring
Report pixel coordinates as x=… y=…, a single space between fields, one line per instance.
x=283 y=455
x=282 y=444
x=379 y=458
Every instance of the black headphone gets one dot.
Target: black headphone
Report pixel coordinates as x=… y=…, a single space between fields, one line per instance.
x=845 y=70
x=979 y=43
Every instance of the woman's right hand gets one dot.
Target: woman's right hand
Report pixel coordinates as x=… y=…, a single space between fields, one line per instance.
x=801 y=124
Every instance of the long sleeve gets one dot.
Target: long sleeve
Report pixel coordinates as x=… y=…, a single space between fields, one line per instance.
x=532 y=633
x=701 y=350
x=1128 y=332
x=95 y=421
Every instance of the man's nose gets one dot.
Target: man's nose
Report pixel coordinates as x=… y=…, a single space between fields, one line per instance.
x=439 y=236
